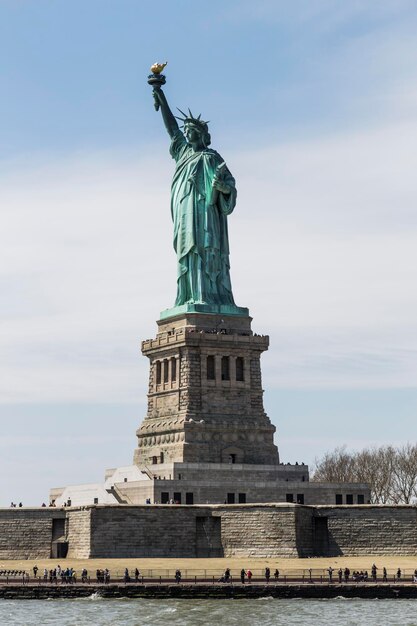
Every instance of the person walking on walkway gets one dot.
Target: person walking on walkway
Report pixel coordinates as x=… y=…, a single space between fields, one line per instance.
x=242 y=576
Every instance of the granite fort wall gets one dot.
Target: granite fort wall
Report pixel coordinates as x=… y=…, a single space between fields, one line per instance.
x=79 y=533
x=304 y=531
x=145 y=531
x=372 y=529
x=27 y=533
x=264 y=531
x=190 y=531
x=259 y=530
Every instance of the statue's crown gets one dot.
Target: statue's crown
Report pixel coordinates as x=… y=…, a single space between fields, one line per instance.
x=190 y=119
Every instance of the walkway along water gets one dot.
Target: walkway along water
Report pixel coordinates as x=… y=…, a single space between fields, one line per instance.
x=187 y=588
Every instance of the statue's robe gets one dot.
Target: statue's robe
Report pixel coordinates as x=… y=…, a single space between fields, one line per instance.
x=200 y=226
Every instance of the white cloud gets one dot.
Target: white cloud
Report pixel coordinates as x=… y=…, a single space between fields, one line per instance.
x=336 y=243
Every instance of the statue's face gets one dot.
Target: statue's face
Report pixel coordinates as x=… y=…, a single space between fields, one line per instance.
x=192 y=134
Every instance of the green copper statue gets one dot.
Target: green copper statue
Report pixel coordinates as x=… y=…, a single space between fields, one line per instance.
x=203 y=195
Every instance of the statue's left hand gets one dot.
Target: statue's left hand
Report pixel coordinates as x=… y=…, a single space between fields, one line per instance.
x=220 y=185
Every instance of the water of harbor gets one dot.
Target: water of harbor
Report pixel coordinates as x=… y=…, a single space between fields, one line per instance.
x=265 y=611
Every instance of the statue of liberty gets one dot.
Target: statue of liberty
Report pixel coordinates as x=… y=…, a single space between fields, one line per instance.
x=203 y=194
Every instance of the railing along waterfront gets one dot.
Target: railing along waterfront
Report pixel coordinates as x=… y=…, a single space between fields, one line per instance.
x=189 y=576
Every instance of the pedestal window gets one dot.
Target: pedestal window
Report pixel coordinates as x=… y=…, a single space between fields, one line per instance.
x=225 y=368
x=240 y=369
x=211 y=368
x=158 y=372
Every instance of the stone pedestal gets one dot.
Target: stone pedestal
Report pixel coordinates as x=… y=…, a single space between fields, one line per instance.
x=205 y=400
x=206 y=438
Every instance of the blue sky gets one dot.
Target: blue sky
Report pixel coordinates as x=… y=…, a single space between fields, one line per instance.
x=314 y=106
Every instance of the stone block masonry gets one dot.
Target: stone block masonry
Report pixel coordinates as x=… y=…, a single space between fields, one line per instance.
x=177 y=531
x=143 y=532
x=359 y=531
x=205 y=400
x=29 y=533
x=192 y=591
x=260 y=532
x=79 y=533
x=247 y=530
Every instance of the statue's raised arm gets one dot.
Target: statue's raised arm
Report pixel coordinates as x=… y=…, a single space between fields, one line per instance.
x=156 y=80
x=170 y=122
